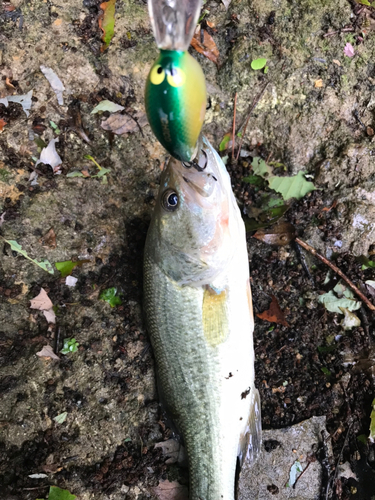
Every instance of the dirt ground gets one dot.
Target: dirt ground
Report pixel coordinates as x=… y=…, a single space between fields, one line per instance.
x=316 y=116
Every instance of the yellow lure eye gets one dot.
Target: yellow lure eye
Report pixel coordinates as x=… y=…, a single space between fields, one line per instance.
x=157 y=75
x=176 y=77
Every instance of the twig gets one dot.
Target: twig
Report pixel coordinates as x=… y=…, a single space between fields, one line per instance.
x=255 y=102
x=344 y=30
x=338 y=462
x=234 y=124
x=312 y=250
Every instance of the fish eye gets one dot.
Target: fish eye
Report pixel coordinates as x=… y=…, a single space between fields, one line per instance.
x=157 y=74
x=176 y=77
x=170 y=200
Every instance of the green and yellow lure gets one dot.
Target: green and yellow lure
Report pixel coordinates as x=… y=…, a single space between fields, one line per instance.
x=175 y=101
x=175 y=89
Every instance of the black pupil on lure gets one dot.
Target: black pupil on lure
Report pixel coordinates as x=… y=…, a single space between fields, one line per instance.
x=172 y=200
x=160 y=70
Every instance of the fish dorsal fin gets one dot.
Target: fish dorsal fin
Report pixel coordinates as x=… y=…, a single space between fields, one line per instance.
x=215 y=316
x=250 y=443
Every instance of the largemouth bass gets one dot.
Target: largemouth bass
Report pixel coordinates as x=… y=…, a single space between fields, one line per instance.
x=199 y=316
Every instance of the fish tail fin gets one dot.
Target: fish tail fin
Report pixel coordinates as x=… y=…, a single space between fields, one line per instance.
x=250 y=443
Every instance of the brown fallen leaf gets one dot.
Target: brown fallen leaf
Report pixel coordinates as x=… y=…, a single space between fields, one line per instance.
x=207 y=48
x=280 y=234
x=167 y=490
x=41 y=302
x=49 y=239
x=121 y=124
x=47 y=352
x=274 y=314
x=2 y=124
x=318 y=83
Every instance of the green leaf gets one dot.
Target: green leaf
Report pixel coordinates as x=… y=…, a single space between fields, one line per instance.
x=107 y=23
x=372 y=423
x=261 y=168
x=66 y=267
x=224 y=142
x=60 y=419
x=70 y=345
x=106 y=105
x=75 y=174
x=366 y=262
x=257 y=64
x=362 y=438
x=254 y=180
x=326 y=371
x=56 y=493
x=363 y=2
x=334 y=304
x=291 y=187
x=44 y=264
x=110 y=295
x=102 y=172
x=55 y=127
x=295 y=471
x=266 y=70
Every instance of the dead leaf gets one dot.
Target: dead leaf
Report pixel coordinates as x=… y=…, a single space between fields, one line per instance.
x=52 y=468
x=318 y=84
x=207 y=48
x=370 y=131
x=47 y=352
x=274 y=314
x=328 y=209
x=41 y=302
x=336 y=62
x=173 y=450
x=124 y=124
x=49 y=156
x=55 y=82
x=8 y=83
x=50 y=315
x=167 y=490
x=49 y=239
x=281 y=234
x=2 y=124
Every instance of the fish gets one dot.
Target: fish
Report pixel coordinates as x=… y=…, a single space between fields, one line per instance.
x=175 y=101
x=198 y=311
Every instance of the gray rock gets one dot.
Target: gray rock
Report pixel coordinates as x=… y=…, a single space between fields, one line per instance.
x=268 y=477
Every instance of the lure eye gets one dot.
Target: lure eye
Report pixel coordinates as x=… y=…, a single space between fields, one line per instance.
x=157 y=75
x=176 y=77
x=170 y=200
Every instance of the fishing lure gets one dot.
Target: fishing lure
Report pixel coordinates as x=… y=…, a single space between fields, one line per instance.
x=175 y=95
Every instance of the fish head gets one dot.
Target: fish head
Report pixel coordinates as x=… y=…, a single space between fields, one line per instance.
x=196 y=221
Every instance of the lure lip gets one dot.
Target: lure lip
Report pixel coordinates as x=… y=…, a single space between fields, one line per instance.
x=173 y=22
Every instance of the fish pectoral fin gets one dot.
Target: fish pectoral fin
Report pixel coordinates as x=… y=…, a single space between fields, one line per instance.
x=215 y=316
x=250 y=443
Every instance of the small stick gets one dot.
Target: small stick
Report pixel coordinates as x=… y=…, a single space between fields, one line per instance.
x=312 y=250
x=255 y=102
x=344 y=30
x=234 y=125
